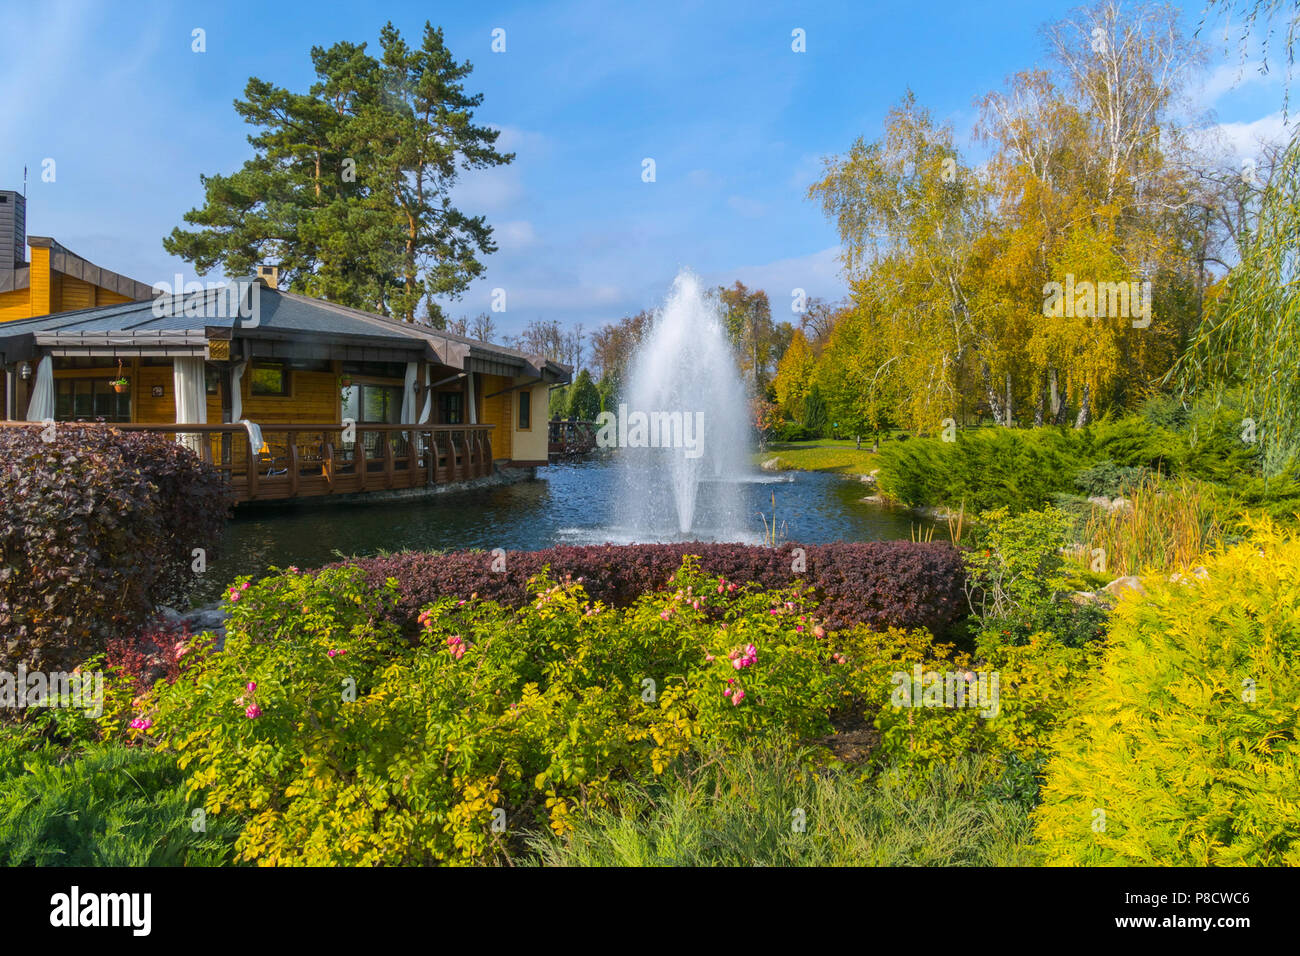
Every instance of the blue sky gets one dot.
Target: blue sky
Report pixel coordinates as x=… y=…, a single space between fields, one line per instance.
x=736 y=122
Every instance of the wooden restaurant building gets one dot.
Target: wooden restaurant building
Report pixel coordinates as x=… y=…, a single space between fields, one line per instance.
x=290 y=396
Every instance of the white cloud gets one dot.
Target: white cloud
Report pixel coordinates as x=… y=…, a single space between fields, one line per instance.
x=1233 y=76
x=818 y=274
x=1240 y=140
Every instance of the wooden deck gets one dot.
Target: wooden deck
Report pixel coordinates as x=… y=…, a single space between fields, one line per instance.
x=312 y=460
x=570 y=439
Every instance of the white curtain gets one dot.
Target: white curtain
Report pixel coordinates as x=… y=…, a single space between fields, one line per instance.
x=428 y=395
x=473 y=412
x=236 y=391
x=408 y=398
x=41 y=406
x=408 y=395
x=191 y=399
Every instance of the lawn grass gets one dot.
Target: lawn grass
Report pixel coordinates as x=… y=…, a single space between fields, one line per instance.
x=839 y=457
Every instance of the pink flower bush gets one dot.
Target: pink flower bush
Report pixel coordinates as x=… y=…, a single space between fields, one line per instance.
x=737 y=697
x=335 y=652
x=744 y=658
x=253 y=712
x=456 y=644
x=141 y=723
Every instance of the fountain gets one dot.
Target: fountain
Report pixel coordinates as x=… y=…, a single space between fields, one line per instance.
x=682 y=427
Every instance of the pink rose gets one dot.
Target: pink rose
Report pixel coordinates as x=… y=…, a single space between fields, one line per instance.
x=253 y=712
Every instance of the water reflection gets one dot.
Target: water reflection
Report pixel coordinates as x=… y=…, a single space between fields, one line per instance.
x=568 y=504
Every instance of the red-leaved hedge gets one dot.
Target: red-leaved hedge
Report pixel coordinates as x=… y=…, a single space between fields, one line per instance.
x=880 y=583
x=97 y=526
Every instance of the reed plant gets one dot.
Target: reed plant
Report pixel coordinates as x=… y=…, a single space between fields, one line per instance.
x=1166 y=526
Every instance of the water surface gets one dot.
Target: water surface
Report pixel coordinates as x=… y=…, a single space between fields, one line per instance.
x=567 y=504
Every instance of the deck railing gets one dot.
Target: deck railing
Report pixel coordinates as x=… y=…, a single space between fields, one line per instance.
x=310 y=460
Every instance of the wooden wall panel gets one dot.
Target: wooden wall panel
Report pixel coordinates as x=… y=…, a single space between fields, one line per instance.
x=498 y=411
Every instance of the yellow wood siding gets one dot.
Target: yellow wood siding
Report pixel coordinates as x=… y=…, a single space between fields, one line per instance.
x=74 y=294
x=15 y=305
x=497 y=411
x=50 y=292
x=40 y=287
x=313 y=399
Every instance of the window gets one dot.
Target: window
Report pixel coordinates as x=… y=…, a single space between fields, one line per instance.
x=212 y=379
x=373 y=404
x=525 y=409
x=84 y=399
x=268 y=380
x=450 y=406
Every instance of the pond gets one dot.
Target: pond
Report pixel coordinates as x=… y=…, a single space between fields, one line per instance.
x=566 y=504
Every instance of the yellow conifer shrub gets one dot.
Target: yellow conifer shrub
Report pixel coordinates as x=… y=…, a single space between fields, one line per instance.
x=1183 y=751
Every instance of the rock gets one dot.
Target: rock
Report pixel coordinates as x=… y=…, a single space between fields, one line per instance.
x=1127 y=583
x=209 y=618
x=1084 y=597
x=867 y=479
x=1100 y=501
x=1122 y=505
x=873 y=500
x=1200 y=571
x=170 y=617
x=772 y=464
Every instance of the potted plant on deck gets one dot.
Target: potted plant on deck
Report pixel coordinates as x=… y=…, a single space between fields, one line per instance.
x=121 y=383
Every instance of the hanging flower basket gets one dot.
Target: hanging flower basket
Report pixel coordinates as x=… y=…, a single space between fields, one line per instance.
x=121 y=383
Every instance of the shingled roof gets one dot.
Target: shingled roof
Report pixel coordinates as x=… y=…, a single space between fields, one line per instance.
x=189 y=322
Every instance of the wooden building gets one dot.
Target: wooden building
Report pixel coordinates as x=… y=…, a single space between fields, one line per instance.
x=291 y=396
x=56 y=279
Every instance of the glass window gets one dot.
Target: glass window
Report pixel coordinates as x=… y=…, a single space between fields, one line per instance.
x=212 y=379
x=525 y=409
x=450 y=405
x=268 y=380
x=83 y=399
x=373 y=404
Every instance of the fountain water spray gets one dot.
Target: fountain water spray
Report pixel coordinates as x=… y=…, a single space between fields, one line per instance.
x=683 y=426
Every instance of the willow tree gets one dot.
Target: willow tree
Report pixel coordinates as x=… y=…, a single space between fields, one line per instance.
x=1250 y=339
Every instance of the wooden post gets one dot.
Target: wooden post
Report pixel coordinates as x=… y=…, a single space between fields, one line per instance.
x=386 y=437
x=294 y=465
x=359 y=458
x=250 y=467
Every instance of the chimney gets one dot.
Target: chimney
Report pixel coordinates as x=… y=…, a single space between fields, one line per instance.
x=269 y=276
x=13 y=230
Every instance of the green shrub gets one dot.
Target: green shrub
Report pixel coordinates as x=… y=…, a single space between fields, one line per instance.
x=1183 y=751
x=1109 y=479
x=109 y=806
x=769 y=808
x=984 y=468
x=343 y=744
x=792 y=432
x=1035 y=686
